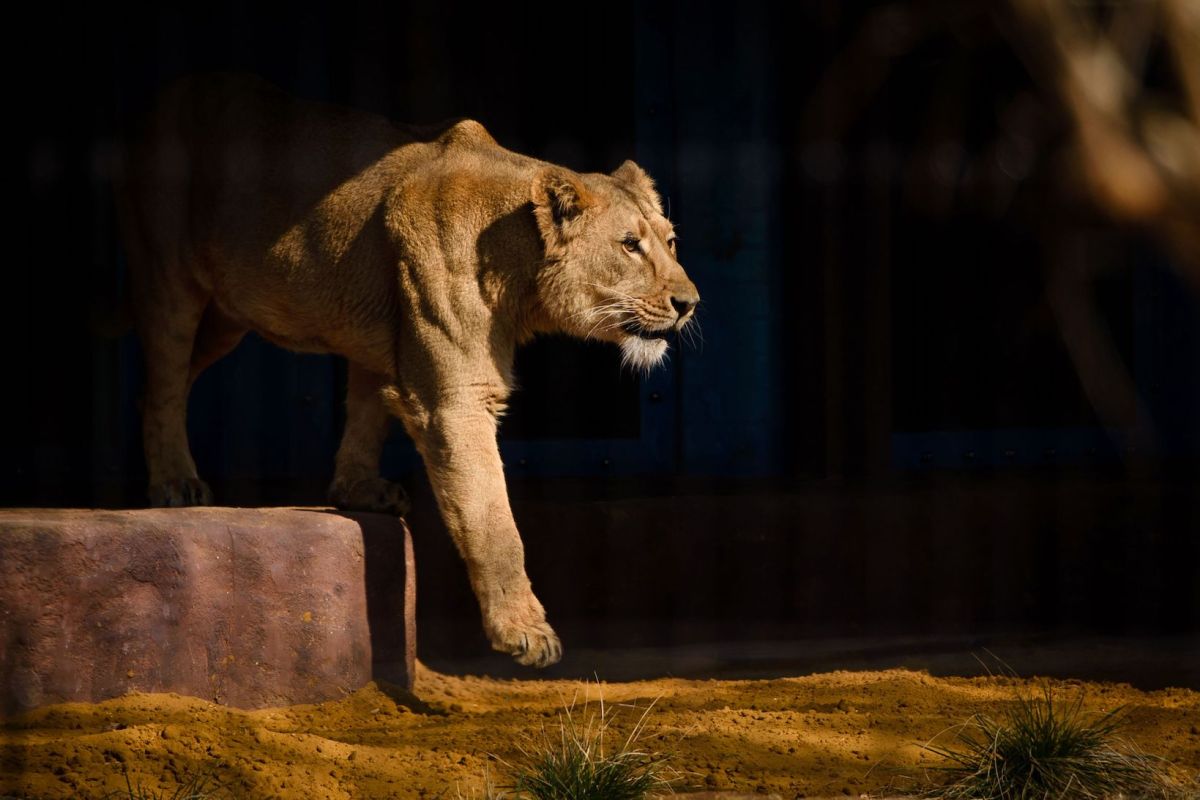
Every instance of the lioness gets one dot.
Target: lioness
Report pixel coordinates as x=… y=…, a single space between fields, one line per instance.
x=422 y=256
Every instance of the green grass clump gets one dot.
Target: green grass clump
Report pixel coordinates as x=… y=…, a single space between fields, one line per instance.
x=1043 y=750
x=575 y=764
x=201 y=785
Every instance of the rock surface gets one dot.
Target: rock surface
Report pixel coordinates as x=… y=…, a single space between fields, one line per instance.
x=245 y=607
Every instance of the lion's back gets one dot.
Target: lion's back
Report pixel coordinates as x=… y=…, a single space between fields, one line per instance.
x=279 y=205
x=235 y=143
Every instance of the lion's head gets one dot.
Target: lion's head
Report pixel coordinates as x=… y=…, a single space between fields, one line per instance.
x=611 y=270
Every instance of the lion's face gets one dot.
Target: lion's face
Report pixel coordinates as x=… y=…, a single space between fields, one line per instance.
x=612 y=271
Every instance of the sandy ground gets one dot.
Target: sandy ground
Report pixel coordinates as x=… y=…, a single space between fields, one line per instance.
x=832 y=734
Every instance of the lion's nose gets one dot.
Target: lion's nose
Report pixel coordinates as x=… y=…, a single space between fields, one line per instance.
x=684 y=305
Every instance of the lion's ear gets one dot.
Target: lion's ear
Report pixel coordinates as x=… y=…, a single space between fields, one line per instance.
x=641 y=183
x=559 y=197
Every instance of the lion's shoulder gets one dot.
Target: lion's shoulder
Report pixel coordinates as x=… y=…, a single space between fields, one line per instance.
x=449 y=134
x=466 y=133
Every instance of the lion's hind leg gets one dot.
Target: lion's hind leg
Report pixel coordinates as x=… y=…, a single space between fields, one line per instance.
x=217 y=337
x=168 y=316
x=357 y=485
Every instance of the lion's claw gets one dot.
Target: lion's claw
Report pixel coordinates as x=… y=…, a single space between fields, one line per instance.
x=181 y=492
x=541 y=648
x=370 y=494
x=521 y=631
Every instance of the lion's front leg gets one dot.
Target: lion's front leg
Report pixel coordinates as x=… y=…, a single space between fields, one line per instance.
x=458 y=443
x=357 y=485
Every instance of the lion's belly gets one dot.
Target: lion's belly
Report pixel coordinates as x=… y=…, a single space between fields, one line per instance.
x=309 y=316
x=314 y=280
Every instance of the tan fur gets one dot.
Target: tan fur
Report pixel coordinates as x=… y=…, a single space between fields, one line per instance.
x=422 y=256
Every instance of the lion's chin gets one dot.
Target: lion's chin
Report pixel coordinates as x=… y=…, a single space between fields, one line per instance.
x=642 y=354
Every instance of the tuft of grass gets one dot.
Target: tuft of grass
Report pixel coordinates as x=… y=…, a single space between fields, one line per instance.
x=201 y=785
x=1046 y=750
x=489 y=790
x=576 y=762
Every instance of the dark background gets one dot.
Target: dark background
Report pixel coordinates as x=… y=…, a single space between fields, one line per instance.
x=882 y=431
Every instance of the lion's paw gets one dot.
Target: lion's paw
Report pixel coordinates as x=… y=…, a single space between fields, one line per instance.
x=181 y=492
x=521 y=630
x=370 y=494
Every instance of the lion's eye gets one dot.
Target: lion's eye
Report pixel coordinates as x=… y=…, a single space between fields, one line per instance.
x=671 y=243
x=631 y=244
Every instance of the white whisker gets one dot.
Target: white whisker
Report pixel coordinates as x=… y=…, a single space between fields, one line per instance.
x=597 y=308
x=616 y=292
x=605 y=324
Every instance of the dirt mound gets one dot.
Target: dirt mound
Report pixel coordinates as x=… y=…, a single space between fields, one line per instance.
x=840 y=733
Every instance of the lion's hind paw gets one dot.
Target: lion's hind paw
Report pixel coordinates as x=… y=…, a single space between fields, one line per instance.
x=370 y=494
x=180 y=492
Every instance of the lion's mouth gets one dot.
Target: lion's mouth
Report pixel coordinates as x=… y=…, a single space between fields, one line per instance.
x=634 y=329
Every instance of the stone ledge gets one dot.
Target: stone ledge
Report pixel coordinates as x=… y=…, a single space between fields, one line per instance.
x=245 y=607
